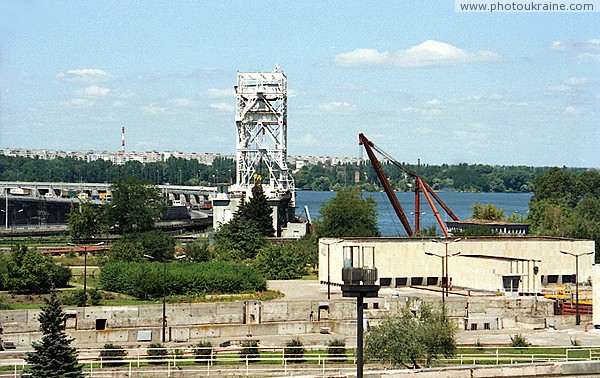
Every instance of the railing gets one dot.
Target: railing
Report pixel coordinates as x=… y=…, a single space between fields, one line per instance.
x=183 y=361
x=272 y=361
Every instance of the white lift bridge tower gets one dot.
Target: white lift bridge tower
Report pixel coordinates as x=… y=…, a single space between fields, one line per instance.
x=261 y=151
x=261 y=122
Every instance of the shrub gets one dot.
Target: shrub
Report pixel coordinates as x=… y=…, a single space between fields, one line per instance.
x=336 y=350
x=519 y=341
x=75 y=299
x=156 y=352
x=203 y=350
x=113 y=352
x=145 y=280
x=249 y=350
x=94 y=296
x=197 y=251
x=294 y=350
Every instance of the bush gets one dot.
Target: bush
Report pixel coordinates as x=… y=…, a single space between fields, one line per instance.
x=294 y=350
x=197 y=251
x=336 y=350
x=156 y=352
x=113 y=352
x=519 y=341
x=145 y=280
x=204 y=350
x=249 y=350
x=94 y=296
x=75 y=299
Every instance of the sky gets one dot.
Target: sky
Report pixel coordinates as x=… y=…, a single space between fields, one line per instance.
x=419 y=79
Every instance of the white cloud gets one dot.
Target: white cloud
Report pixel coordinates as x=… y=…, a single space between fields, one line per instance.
x=434 y=102
x=562 y=88
x=427 y=112
x=336 y=106
x=576 y=81
x=593 y=44
x=427 y=54
x=152 y=109
x=558 y=46
x=118 y=104
x=223 y=106
x=588 y=57
x=77 y=102
x=182 y=102
x=93 y=91
x=85 y=75
x=572 y=110
x=217 y=93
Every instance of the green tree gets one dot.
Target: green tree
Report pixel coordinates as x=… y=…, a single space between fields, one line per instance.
x=197 y=251
x=135 y=205
x=53 y=355
x=29 y=270
x=258 y=210
x=240 y=239
x=133 y=247
x=348 y=215
x=85 y=222
x=409 y=340
x=280 y=262
x=487 y=212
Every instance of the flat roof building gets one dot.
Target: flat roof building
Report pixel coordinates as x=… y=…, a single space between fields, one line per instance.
x=511 y=265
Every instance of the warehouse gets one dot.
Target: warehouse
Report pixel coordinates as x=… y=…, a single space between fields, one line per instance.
x=508 y=265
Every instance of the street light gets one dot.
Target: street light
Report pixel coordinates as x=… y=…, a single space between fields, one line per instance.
x=84 y=268
x=577 y=319
x=446 y=242
x=329 y=267
x=164 y=301
x=442 y=257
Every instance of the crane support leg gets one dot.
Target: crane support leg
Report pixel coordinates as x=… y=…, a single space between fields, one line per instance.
x=435 y=211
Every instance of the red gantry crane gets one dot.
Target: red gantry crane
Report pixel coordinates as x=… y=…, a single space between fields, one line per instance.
x=420 y=186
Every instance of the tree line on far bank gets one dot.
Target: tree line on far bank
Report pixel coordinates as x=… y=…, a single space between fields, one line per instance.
x=323 y=177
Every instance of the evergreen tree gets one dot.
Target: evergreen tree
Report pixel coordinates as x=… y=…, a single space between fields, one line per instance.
x=53 y=355
x=258 y=210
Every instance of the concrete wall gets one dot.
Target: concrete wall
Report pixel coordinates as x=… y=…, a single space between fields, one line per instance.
x=192 y=322
x=481 y=265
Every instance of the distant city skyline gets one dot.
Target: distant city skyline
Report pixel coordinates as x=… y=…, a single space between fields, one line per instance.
x=419 y=79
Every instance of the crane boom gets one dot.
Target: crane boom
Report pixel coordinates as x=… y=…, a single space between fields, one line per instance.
x=420 y=186
x=367 y=144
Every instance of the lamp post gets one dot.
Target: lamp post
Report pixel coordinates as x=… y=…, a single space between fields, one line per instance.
x=446 y=242
x=84 y=268
x=164 y=301
x=577 y=319
x=329 y=267
x=6 y=207
x=442 y=277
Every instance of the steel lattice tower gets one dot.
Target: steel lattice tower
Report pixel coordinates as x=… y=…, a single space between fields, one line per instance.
x=261 y=121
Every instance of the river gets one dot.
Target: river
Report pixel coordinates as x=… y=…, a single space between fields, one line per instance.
x=389 y=224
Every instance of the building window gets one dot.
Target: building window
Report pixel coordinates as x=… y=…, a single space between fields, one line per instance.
x=385 y=282
x=486 y=326
x=432 y=281
x=416 y=281
x=401 y=281
x=473 y=326
x=552 y=278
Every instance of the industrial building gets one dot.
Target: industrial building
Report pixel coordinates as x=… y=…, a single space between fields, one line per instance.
x=506 y=265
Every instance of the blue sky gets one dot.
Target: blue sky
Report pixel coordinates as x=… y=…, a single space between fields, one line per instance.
x=420 y=80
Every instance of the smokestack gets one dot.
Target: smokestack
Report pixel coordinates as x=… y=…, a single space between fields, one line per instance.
x=123 y=140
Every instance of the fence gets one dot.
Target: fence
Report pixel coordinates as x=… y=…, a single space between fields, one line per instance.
x=189 y=362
